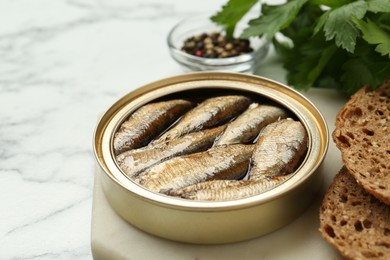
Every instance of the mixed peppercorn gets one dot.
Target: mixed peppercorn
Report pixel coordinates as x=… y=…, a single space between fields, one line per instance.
x=215 y=45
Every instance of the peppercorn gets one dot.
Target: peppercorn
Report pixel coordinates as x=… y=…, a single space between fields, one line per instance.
x=207 y=40
x=229 y=46
x=198 y=53
x=215 y=45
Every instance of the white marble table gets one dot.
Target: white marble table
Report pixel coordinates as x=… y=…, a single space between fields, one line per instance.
x=62 y=63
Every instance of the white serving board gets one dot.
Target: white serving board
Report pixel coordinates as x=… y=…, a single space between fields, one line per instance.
x=113 y=238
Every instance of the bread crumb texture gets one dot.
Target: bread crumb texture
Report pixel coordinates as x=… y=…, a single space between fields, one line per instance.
x=362 y=134
x=353 y=221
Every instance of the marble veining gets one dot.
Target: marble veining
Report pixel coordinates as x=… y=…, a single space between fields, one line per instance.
x=62 y=64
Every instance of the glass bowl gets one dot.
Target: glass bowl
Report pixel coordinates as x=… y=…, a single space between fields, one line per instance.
x=202 y=24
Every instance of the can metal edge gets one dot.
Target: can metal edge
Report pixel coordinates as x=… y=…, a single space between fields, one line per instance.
x=224 y=222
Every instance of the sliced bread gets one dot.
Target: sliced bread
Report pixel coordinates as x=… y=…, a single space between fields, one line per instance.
x=362 y=134
x=353 y=221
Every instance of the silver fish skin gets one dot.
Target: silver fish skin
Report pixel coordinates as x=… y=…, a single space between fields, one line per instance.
x=135 y=161
x=222 y=162
x=279 y=149
x=147 y=122
x=233 y=190
x=248 y=125
x=210 y=113
x=206 y=185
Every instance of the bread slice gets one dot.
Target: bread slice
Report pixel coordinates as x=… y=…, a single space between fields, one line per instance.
x=362 y=134
x=353 y=221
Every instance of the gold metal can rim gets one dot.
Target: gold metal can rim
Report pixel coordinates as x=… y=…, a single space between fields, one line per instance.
x=291 y=99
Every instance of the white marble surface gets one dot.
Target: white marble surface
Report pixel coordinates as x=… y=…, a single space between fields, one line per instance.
x=62 y=63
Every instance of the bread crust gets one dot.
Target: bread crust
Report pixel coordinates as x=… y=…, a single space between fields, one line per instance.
x=353 y=221
x=362 y=134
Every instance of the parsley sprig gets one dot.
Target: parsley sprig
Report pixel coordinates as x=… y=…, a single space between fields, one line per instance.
x=341 y=44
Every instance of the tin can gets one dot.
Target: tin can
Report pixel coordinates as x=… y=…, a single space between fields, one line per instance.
x=204 y=222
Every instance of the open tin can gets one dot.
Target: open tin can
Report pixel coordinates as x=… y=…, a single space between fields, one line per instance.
x=205 y=222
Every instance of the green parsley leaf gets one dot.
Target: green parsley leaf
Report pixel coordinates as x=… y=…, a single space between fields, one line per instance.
x=374 y=35
x=231 y=13
x=274 y=19
x=306 y=64
x=343 y=44
x=356 y=74
x=321 y=22
x=300 y=30
x=324 y=58
x=365 y=67
x=378 y=6
x=337 y=24
x=308 y=56
x=331 y=3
